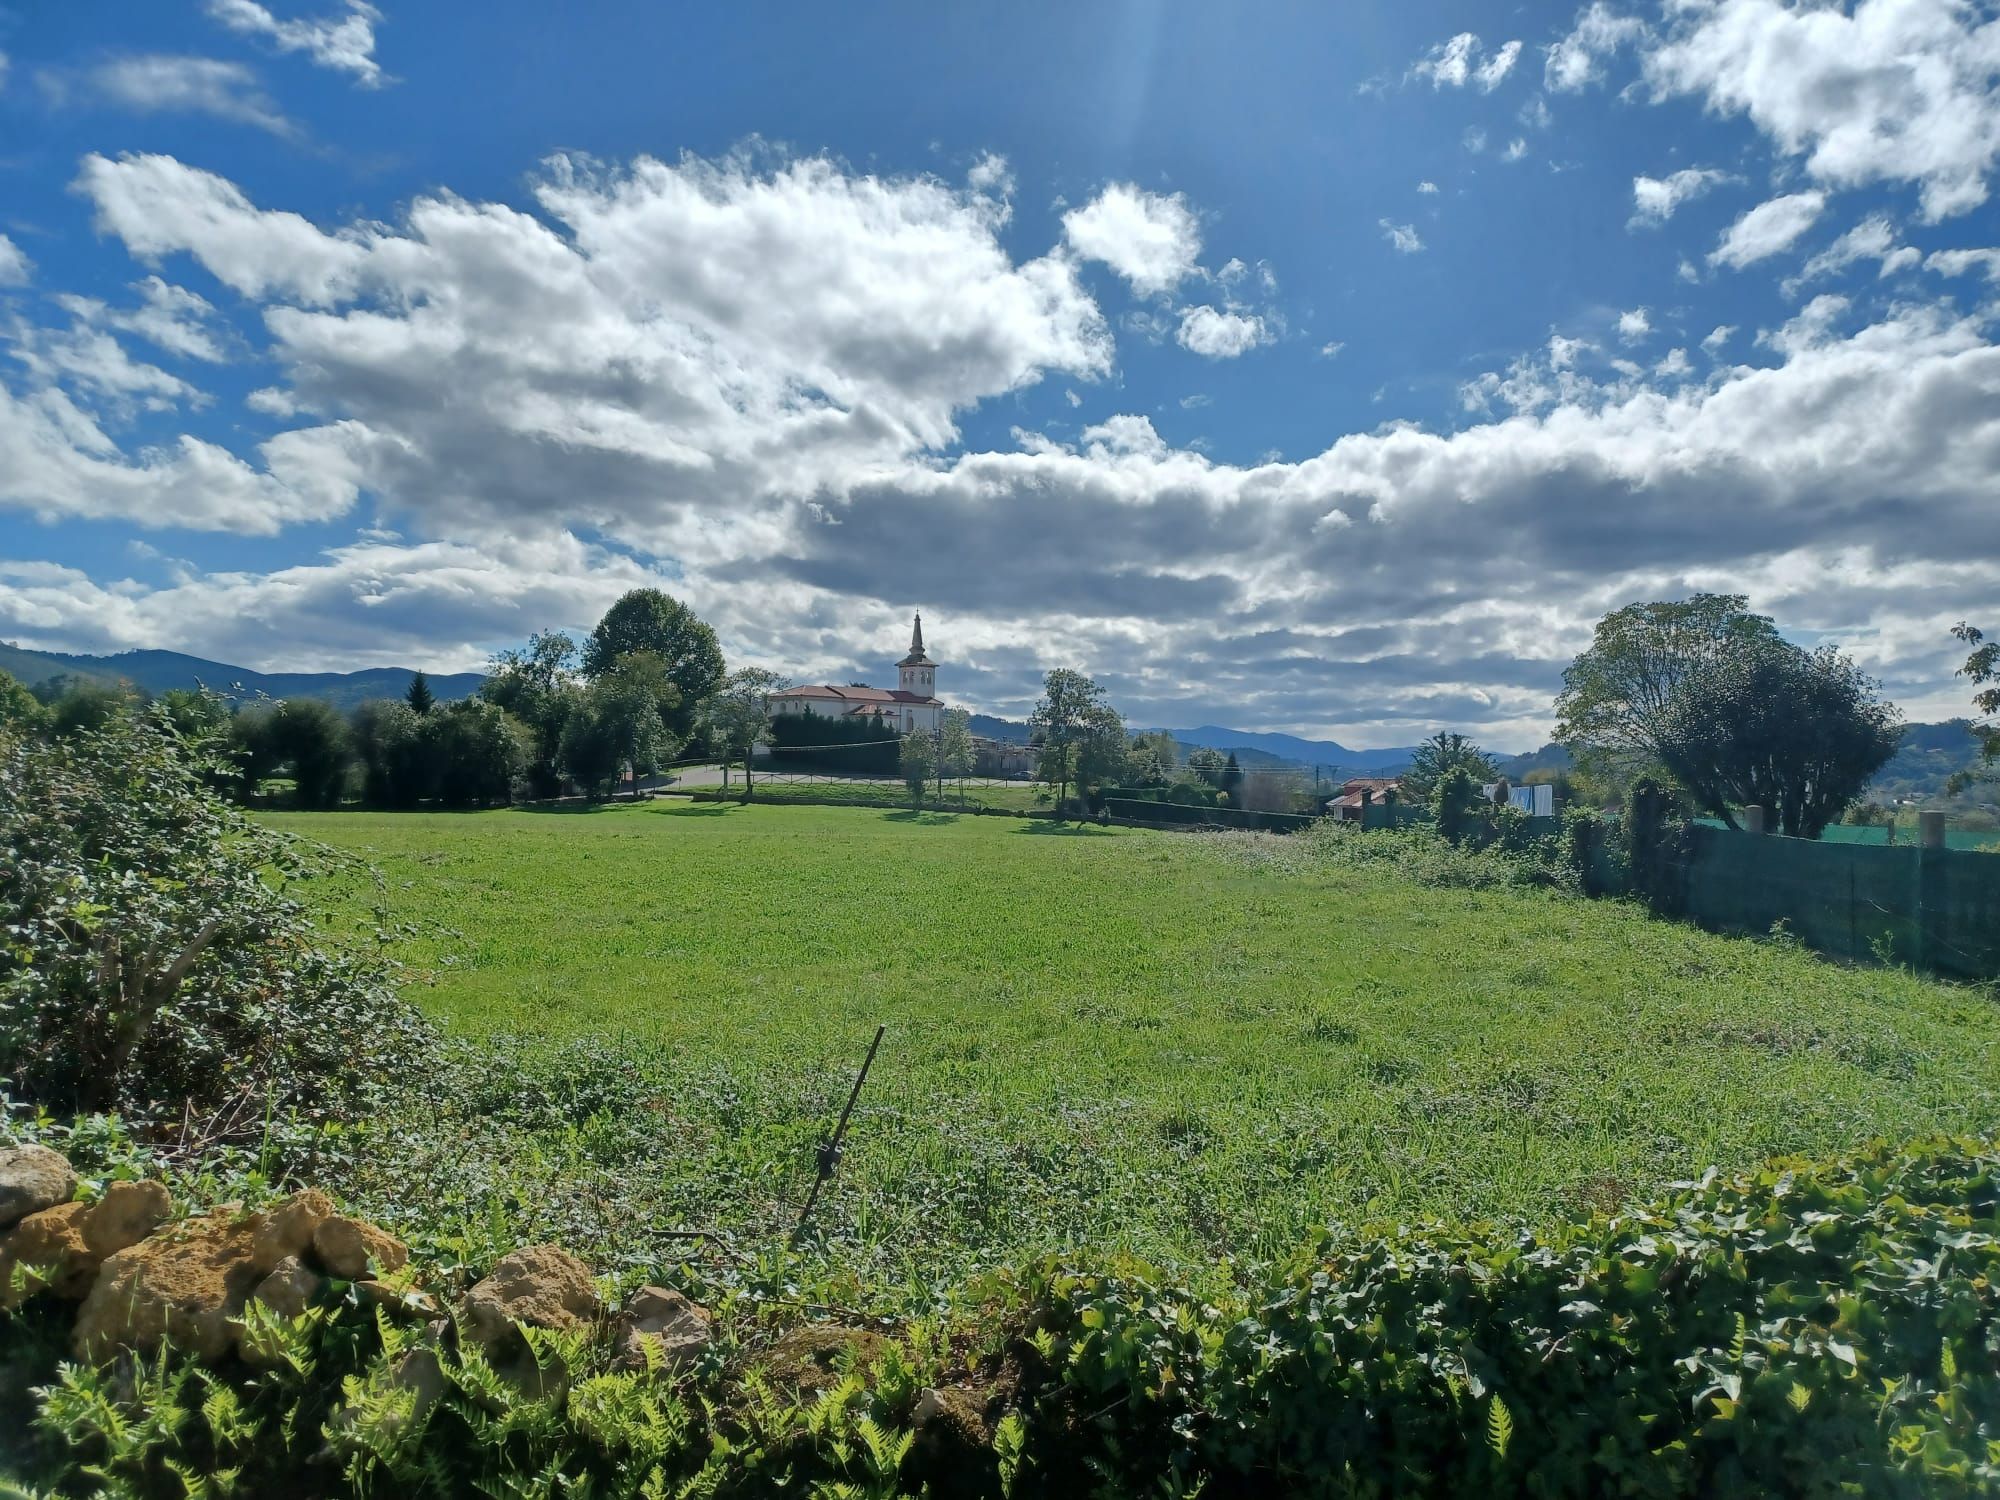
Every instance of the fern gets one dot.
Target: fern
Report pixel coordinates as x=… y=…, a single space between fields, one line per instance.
x=1499 y=1427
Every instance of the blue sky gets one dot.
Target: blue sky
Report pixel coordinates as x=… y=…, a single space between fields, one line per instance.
x=1309 y=368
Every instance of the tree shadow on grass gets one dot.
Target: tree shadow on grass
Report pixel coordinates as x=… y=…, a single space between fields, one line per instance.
x=569 y=807
x=921 y=819
x=695 y=809
x=1049 y=826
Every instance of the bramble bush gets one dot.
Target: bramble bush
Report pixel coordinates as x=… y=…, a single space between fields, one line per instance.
x=154 y=960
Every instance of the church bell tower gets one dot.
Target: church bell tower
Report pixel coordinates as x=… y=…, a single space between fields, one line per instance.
x=917 y=673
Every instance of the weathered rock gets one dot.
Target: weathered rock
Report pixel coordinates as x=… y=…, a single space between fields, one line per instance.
x=399 y=1293
x=64 y=1246
x=290 y=1288
x=351 y=1249
x=288 y=1291
x=288 y=1229
x=542 y=1286
x=125 y=1215
x=658 y=1326
x=190 y=1283
x=32 y=1178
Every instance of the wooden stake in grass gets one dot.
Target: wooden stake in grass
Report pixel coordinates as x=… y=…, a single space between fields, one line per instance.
x=829 y=1152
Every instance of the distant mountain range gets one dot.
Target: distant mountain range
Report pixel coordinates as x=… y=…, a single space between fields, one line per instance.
x=1929 y=755
x=160 y=671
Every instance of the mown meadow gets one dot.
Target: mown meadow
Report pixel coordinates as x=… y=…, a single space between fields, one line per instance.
x=1187 y=1046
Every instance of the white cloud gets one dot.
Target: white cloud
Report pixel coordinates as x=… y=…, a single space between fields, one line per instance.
x=1717 y=337
x=444 y=604
x=1889 y=90
x=1654 y=199
x=1403 y=236
x=5 y=67
x=1475 y=139
x=1455 y=63
x=1331 y=348
x=1427 y=186
x=1151 y=239
x=1516 y=149
x=1675 y=366
x=1220 y=335
x=1578 y=59
x=159 y=84
x=749 y=381
x=345 y=43
x=1874 y=238
x=15 y=267
x=1958 y=262
x=1768 y=229
x=1634 y=325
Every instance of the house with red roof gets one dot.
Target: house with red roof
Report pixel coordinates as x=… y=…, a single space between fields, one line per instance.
x=912 y=707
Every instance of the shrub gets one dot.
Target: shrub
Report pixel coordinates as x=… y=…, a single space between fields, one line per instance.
x=154 y=960
x=1805 y=1329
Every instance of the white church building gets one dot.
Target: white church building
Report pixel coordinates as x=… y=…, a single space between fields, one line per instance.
x=913 y=707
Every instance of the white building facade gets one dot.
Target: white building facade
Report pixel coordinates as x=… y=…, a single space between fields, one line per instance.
x=912 y=708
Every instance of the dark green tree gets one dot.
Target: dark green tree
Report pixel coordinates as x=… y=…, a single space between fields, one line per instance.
x=1060 y=722
x=398 y=764
x=419 y=696
x=1983 y=667
x=1231 y=781
x=309 y=737
x=480 y=752
x=540 y=688
x=649 y=620
x=1444 y=751
x=1796 y=732
x=1617 y=706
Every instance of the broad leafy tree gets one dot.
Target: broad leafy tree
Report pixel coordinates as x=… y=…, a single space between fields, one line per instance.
x=919 y=763
x=956 y=753
x=309 y=737
x=1796 y=732
x=1207 y=765
x=633 y=701
x=737 y=716
x=1618 y=703
x=649 y=620
x=1983 y=667
x=1447 y=750
x=539 y=687
x=1062 y=720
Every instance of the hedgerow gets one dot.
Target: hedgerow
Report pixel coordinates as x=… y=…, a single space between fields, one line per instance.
x=1805 y=1329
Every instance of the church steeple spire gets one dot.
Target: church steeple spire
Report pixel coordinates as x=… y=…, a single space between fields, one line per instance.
x=916 y=674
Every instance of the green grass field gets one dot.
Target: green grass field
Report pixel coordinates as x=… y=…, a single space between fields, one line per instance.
x=1190 y=1046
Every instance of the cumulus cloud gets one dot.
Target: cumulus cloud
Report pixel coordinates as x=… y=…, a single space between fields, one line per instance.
x=15 y=267
x=1577 y=61
x=1884 y=91
x=1634 y=325
x=159 y=84
x=1427 y=186
x=1717 y=337
x=1654 y=199
x=1220 y=335
x=1516 y=149
x=1768 y=229
x=1874 y=238
x=1151 y=239
x=1403 y=236
x=345 y=43
x=1457 y=62
x=764 y=429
